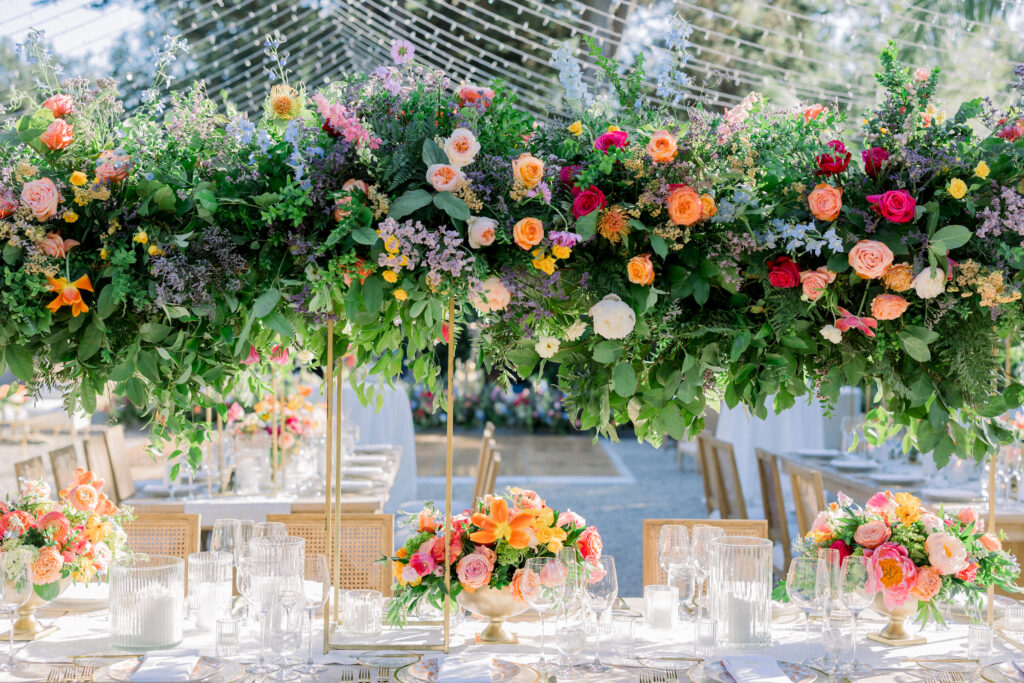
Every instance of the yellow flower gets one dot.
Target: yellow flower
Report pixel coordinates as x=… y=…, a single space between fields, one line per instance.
x=70 y=216
x=883 y=131
x=390 y=276
x=908 y=507
x=104 y=254
x=545 y=264
x=401 y=294
x=561 y=252
x=981 y=170
x=576 y=128
x=96 y=529
x=285 y=101
x=391 y=244
x=612 y=129
x=155 y=250
x=141 y=237
x=78 y=179
x=957 y=188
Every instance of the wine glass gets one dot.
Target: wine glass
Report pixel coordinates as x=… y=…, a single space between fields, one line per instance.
x=242 y=536
x=835 y=633
x=571 y=558
x=544 y=589
x=285 y=632
x=16 y=586
x=802 y=587
x=264 y=529
x=316 y=586
x=677 y=562
x=857 y=591
x=827 y=592
x=258 y=584
x=224 y=536
x=702 y=554
x=602 y=587
x=570 y=639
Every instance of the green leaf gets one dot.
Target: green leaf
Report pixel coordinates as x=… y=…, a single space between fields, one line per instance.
x=949 y=237
x=266 y=302
x=452 y=205
x=795 y=343
x=123 y=371
x=47 y=591
x=105 y=303
x=433 y=154
x=701 y=289
x=91 y=342
x=367 y=236
x=149 y=366
x=659 y=245
x=12 y=254
x=277 y=322
x=373 y=294
x=586 y=226
x=409 y=202
x=673 y=421
x=740 y=344
x=136 y=391
x=267 y=198
x=839 y=263
x=624 y=380
x=154 y=332
x=417 y=308
x=607 y=351
x=917 y=348
x=165 y=199
x=20 y=361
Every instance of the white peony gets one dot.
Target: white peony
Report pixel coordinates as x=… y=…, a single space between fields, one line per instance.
x=461 y=147
x=613 y=318
x=547 y=347
x=481 y=231
x=832 y=333
x=928 y=286
x=575 y=331
x=494 y=297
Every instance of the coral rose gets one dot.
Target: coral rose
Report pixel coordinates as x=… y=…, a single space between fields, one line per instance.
x=57 y=135
x=814 y=282
x=870 y=258
x=814 y=111
x=42 y=197
x=872 y=534
x=969 y=573
x=524 y=582
x=783 y=272
x=834 y=163
x=83 y=497
x=59 y=524
x=874 y=159
x=708 y=206
x=526 y=499
x=8 y=204
x=927 y=585
x=613 y=138
x=588 y=201
x=112 y=167
x=946 y=553
x=528 y=169
x=825 y=202
x=613 y=318
x=893 y=572
x=444 y=177
x=495 y=296
x=640 y=270
x=16 y=521
x=969 y=515
x=528 y=233
x=474 y=571
x=684 y=205
x=899 y=277
x=461 y=147
x=590 y=544
x=470 y=95
x=662 y=147
x=59 y=105
x=570 y=518
x=480 y=231
x=990 y=542
x=895 y=205
x=426 y=522
x=888 y=306
x=55 y=246
x=46 y=567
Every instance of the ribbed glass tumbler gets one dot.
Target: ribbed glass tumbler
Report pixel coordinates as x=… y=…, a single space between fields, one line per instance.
x=147 y=602
x=740 y=589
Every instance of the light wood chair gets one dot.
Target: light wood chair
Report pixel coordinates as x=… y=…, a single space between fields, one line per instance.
x=1013 y=526
x=165 y=533
x=774 y=504
x=98 y=460
x=808 y=494
x=684 y=448
x=652 y=571
x=64 y=462
x=30 y=470
x=120 y=463
x=483 y=462
x=364 y=539
x=492 y=474
x=722 y=488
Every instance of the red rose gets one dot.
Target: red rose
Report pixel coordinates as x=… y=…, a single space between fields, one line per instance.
x=831 y=164
x=873 y=160
x=969 y=573
x=843 y=548
x=568 y=174
x=588 y=201
x=895 y=205
x=613 y=138
x=1011 y=132
x=783 y=272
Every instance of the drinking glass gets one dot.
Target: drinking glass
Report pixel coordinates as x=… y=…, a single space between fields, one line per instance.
x=660 y=604
x=1014 y=618
x=705 y=638
x=802 y=587
x=285 y=632
x=856 y=591
x=601 y=589
x=258 y=584
x=242 y=536
x=979 y=641
x=836 y=634
x=546 y=592
x=224 y=536
x=702 y=554
x=261 y=529
x=361 y=612
x=622 y=635
x=316 y=586
x=209 y=588
x=17 y=589
x=570 y=638
x=229 y=634
x=829 y=568
x=673 y=546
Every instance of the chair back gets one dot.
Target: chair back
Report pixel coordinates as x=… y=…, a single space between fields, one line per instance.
x=483 y=462
x=120 y=464
x=97 y=460
x=721 y=477
x=808 y=494
x=364 y=540
x=492 y=474
x=774 y=504
x=64 y=462
x=1013 y=527
x=652 y=571
x=30 y=470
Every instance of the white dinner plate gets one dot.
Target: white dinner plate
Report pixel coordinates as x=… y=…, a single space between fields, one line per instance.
x=80 y=597
x=950 y=495
x=206 y=668
x=425 y=671
x=854 y=464
x=819 y=453
x=363 y=471
x=366 y=459
x=1002 y=672
x=898 y=478
x=798 y=673
x=357 y=485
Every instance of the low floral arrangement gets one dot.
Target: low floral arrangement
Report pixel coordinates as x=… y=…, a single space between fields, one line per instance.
x=295 y=418
x=74 y=538
x=915 y=553
x=489 y=548
x=537 y=406
x=13 y=395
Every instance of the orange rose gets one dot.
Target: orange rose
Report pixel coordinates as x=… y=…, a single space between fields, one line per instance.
x=528 y=169
x=927 y=585
x=662 y=147
x=57 y=135
x=640 y=270
x=814 y=282
x=888 y=306
x=990 y=542
x=47 y=566
x=528 y=233
x=684 y=205
x=899 y=277
x=112 y=167
x=825 y=202
x=426 y=521
x=708 y=206
x=83 y=497
x=870 y=259
x=814 y=111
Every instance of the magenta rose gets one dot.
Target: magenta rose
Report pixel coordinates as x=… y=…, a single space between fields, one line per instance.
x=568 y=174
x=836 y=162
x=783 y=272
x=590 y=543
x=895 y=205
x=613 y=138
x=422 y=563
x=587 y=201
x=873 y=160
x=843 y=548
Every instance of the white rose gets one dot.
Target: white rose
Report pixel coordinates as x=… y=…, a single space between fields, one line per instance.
x=832 y=333
x=461 y=147
x=304 y=356
x=575 y=331
x=481 y=231
x=927 y=286
x=494 y=297
x=546 y=347
x=613 y=319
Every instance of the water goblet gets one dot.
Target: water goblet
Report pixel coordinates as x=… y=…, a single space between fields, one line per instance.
x=258 y=584
x=857 y=591
x=570 y=638
x=15 y=590
x=600 y=591
x=544 y=590
x=702 y=553
x=316 y=585
x=285 y=632
x=802 y=587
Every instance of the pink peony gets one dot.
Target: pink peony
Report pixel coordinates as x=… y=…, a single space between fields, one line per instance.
x=474 y=571
x=872 y=534
x=613 y=138
x=422 y=563
x=881 y=503
x=946 y=553
x=892 y=572
x=590 y=544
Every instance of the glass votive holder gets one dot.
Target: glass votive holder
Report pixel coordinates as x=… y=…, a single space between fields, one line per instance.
x=661 y=605
x=362 y=612
x=229 y=635
x=705 y=639
x=979 y=641
x=1014 y=619
x=622 y=635
x=147 y=602
x=209 y=588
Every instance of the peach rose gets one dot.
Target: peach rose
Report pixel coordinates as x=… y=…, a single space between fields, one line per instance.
x=888 y=306
x=83 y=497
x=927 y=585
x=708 y=206
x=899 y=277
x=528 y=169
x=684 y=205
x=443 y=177
x=969 y=515
x=662 y=147
x=825 y=202
x=426 y=521
x=946 y=553
x=872 y=534
x=57 y=135
x=640 y=270
x=112 y=167
x=481 y=231
x=870 y=258
x=990 y=542
x=47 y=566
x=59 y=105
x=55 y=246
x=353 y=183
x=495 y=296
x=461 y=147
x=524 y=582
x=474 y=571
x=528 y=233
x=42 y=197
x=814 y=282
x=589 y=543
x=101 y=556
x=814 y=111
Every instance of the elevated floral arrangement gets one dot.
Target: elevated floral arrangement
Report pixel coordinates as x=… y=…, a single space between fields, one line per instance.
x=743 y=255
x=489 y=548
x=915 y=553
x=71 y=539
x=293 y=416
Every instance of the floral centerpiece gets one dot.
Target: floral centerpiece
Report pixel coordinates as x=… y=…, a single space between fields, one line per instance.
x=13 y=395
x=294 y=418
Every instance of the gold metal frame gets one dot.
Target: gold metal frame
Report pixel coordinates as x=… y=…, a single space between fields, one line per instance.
x=334 y=386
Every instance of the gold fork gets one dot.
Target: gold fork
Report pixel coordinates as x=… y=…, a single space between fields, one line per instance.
x=347 y=675
x=383 y=674
x=58 y=673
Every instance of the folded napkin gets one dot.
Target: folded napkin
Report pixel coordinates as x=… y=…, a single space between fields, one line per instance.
x=158 y=668
x=461 y=670
x=1018 y=664
x=755 y=669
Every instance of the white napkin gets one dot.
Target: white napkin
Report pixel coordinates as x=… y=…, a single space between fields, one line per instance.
x=459 y=669
x=159 y=668
x=755 y=669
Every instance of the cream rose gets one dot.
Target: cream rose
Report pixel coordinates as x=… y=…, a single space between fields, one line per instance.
x=547 y=347
x=481 y=231
x=495 y=296
x=42 y=197
x=575 y=331
x=928 y=286
x=832 y=333
x=613 y=319
x=461 y=148
x=444 y=178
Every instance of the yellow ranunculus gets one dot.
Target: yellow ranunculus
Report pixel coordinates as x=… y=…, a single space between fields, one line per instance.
x=389 y=276
x=981 y=170
x=70 y=216
x=612 y=129
x=576 y=128
x=155 y=250
x=141 y=237
x=401 y=294
x=545 y=264
x=957 y=188
x=78 y=179
x=558 y=251
x=104 y=254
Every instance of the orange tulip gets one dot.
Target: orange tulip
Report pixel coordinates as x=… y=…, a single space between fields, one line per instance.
x=68 y=294
x=498 y=525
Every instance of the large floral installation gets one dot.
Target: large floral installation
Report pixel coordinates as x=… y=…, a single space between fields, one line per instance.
x=750 y=256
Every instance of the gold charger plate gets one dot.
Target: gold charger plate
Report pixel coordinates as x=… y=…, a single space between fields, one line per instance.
x=527 y=674
x=994 y=673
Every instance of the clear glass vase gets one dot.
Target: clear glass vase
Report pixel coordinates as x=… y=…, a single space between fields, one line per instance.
x=739 y=590
x=147 y=602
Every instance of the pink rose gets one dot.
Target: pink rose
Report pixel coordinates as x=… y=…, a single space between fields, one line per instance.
x=488 y=554
x=588 y=201
x=495 y=296
x=59 y=105
x=892 y=572
x=42 y=197
x=894 y=205
x=613 y=138
x=101 y=556
x=525 y=499
x=969 y=515
x=57 y=135
x=422 y=563
x=946 y=553
x=474 y=571
x=590 y=544
x=112 y=167
x=872 y=534
x=873 y=160
x=570 y=518
x=480 y=231
x=814 y=282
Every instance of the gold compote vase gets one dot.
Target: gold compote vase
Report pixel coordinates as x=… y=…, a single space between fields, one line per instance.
x=895 y=632
x=495 y=605
x=27 y=626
